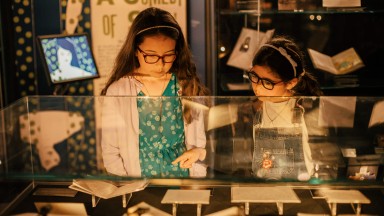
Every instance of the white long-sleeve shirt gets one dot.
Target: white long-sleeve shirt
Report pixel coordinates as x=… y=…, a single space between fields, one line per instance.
x=120 y=131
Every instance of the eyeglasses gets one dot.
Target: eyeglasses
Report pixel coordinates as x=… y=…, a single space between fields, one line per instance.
x=152 y=59
x=267 y=84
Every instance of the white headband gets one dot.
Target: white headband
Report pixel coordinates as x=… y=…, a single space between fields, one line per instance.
x=284 y=53
x=160 y=26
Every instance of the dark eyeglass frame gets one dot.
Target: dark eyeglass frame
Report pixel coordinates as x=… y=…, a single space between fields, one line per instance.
x=253 y=77
x=145 y=55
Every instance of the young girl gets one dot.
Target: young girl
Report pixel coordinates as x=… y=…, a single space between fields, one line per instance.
x=153 y=137
x=281 y=149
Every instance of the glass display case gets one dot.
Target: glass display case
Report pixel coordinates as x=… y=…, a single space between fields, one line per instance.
x=257 y=156
x=328 y=30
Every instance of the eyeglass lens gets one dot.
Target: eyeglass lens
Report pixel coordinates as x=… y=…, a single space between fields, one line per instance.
x=253 y=77
x=152 y=59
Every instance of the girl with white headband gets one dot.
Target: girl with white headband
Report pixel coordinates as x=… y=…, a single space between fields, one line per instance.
x=280 y=65
x=153 y=135
x=281 y=149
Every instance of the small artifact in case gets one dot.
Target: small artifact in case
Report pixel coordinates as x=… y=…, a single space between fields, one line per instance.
x=363 y=168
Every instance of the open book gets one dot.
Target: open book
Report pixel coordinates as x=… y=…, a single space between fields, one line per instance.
x=107 y=189
x=246 y=47
x=342 y=63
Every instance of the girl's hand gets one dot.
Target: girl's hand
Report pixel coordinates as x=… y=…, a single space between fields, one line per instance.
x=189 y=157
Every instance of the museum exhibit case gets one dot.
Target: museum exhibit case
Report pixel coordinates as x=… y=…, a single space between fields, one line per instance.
x=99 y=155
x=240 y=26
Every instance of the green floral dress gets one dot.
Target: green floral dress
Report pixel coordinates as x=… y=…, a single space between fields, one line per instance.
x=161 y=136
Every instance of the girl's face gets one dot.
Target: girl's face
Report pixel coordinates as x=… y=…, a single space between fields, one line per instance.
x=156 y=55
x=64 y=56
x=269 y=78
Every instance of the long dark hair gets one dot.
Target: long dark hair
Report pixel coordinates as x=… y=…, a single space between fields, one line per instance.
x=149 y=22
x=280 y=65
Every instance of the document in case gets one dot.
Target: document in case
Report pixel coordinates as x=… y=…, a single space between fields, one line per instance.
x=221 y=115
x=217 y=116
x=106 y=189
x=246 y=47
x=337 y=111
x=377 y=115
x=342 y=63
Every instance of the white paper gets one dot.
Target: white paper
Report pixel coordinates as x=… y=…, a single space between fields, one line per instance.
x=221 y=115
x=218 y=116
x=242 y=58
x=348 y=152
x=377 y=116
x=337 y=111
x=179 y=196
x=194 y=105
x=322 y=61
x=105 y=189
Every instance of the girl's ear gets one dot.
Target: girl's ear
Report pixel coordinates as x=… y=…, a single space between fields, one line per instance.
x=292 y=83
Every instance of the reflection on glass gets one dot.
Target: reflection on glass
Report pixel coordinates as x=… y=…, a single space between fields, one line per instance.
x=281 y=148
x=247 y=139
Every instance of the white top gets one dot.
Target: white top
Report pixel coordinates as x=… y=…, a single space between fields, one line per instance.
x=280 y=115
x=277 y=114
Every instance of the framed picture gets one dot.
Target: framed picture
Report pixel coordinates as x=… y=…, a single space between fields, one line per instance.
x=67 y=58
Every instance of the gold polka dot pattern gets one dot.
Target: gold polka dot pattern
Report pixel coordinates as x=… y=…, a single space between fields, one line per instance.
x=81 y=146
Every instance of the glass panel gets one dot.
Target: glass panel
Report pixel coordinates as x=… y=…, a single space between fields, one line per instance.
x=304 y=141
x=311 y=26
